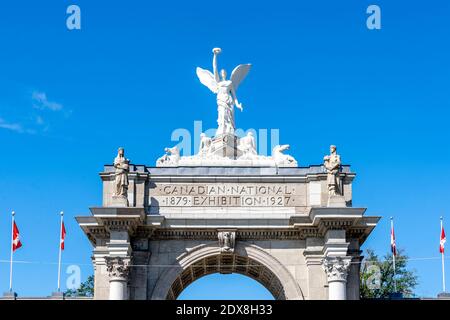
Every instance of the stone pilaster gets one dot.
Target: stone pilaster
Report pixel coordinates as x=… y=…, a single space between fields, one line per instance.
x=138 y=279
x=101 y=278
x=316 y=282
x=354 y=270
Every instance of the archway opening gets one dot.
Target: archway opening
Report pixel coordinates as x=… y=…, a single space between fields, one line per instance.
x=226 y=265
x=218 y=286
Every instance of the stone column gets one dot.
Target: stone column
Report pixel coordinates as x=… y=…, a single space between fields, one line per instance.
x=118 y=270
x=336 y=263
x=336 y=269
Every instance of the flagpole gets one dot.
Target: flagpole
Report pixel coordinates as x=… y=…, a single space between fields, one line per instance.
x=11 y=259
x=443 y=264
x=393 y=256
x=59 y=257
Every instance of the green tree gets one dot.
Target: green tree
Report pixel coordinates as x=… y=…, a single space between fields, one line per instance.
x=377 y=276
x=86 y=289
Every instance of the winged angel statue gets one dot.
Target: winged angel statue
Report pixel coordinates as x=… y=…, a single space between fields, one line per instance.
x=225 y=91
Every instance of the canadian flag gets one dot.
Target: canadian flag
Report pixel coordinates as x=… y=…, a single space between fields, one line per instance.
x=16 y=244
x=442 y=242
x=393 y=246
x=63 y=235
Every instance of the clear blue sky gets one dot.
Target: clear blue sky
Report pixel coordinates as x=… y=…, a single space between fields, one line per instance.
x=68 y=99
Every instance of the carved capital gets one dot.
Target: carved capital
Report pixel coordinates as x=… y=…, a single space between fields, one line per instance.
x=227 y=239
x=118 y=267
x=336 y=268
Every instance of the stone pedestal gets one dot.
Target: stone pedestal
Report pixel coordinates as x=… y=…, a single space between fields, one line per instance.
x=118 y=269
x=225 y=146
x=336 y=201
x=119 y=201
x=336 y=269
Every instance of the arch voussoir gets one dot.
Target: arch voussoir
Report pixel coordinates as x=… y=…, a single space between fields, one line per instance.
x=247 y=259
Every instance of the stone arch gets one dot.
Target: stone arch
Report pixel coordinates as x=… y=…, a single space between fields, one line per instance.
x=247 y=259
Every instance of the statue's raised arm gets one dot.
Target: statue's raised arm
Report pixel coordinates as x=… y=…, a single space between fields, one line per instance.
x=216 y=52
x=207 y=78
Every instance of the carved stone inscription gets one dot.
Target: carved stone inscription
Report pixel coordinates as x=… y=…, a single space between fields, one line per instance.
x=226 y=194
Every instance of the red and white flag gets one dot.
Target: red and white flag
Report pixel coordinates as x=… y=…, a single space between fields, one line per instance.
x=442 y=242
x=393 y=246
x=63 y=235
x=16 y=244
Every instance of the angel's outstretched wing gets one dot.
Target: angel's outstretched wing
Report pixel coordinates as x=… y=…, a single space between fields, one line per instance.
x=207 y=78
x=239 y=73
